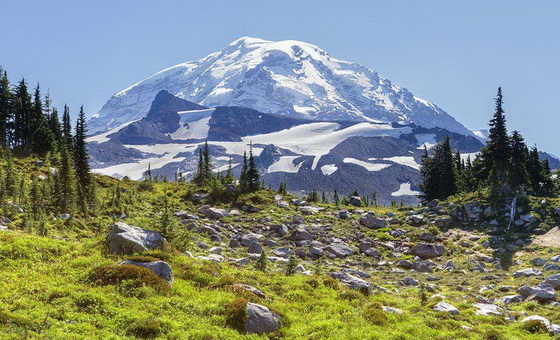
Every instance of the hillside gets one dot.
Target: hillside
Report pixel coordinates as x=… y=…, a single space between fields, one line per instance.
x=355 y=275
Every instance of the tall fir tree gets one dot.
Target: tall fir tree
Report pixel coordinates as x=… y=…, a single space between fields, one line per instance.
x=5 y=108
x=42 y=139
x=22 y=110
x=253 y=177
x=498 y=149
x=64 y=182
x=518 y=176
x=67 y=129
x=81 y=163
x=243 y=184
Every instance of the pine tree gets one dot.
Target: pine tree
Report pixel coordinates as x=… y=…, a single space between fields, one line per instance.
x=324 y=198
x=22 y=109
x=81 y=164
x=64 y=182
x=253 y=177
x=499 y=152
x=229 y=179
x=547 y=186
x=67 y=129
x=313 y=196
x=336 y=199
x=534 y=170
x=439 y=172
x=54 y=125
x=208 y=165
x=243 y=176
x=5 y=108
x=42 y=138
x=518 y=176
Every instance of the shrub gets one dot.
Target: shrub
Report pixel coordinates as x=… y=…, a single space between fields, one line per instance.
x=331 y=283
x=89 y=303
x=115 y=274
x=350 y=295
x=235 y=314
x=493 y=335
x=374 y=314
x=146 y=328
x=534 y=326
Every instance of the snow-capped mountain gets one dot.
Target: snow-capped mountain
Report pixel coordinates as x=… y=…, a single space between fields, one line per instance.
x=289 y=78
x=306 y=154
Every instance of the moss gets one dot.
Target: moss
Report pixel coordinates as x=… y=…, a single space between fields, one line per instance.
x=235 y=314
x=146 y=328
x=493 y=335
x=115 y=274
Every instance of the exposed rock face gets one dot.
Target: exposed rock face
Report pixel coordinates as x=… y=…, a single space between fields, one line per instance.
x=428 y=251
x=261 y=320
x=124 y=239
x=161 y=268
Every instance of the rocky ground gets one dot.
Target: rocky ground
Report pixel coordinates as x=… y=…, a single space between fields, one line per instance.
x=445 y=270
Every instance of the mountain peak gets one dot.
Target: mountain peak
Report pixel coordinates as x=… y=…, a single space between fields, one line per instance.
x=287 y=77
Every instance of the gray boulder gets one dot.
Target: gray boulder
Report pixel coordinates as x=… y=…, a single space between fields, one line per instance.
x=250 y=289
x=214 y=213
x=527 y=272
x=369 y=220
x=352 y=282
x=255 y=248
x=428 y=251
x=444 y=307
x=542 y=293
x=161 y=268
x=339 y=249
x=300 y=234
x=355 y=201
x=124 y=239
x=261 y=320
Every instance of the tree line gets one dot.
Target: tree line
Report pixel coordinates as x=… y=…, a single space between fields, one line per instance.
x=504 y=166
x=30 y=127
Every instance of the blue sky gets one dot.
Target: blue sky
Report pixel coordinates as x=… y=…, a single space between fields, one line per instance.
x=453 y=53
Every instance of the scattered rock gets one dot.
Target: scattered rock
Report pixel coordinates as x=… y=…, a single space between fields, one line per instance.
x=250 y=289
x=527 y=272
x=213 y=213
x=161 y=268
x=369 y=220
x=339 y=250
x=444 y=307
x=124 y=239
x=261 y=320
x=428 y=251
x=488 y=309
x=353 y=282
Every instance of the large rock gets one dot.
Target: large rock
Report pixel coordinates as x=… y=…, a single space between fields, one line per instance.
x=255 y=248
x=214 y=213
x=353 y=282
x=557 y=211
x=300 y=234
x=355 y=201
x=427 y=250
x=444 y=307
x=339 y=249
x=124 y=239
x=261 y=320
x=161 y=268
x=488 y=309
x=369 y=220
x=527 y=272
x=250 y=289
x=544 y=292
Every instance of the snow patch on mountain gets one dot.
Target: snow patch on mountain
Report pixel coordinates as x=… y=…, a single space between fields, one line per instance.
x=328 y=169
x=405 y=190
x=368 y=166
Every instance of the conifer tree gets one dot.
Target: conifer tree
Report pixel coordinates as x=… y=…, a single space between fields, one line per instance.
x=64 y=182
x=22 y=117
x=54 y=124
x=499 y=152
x=243 y=176
x=534 y=170
x=253 y=177
x=207 y=162
x=5 y=108
x=67 y=129
x=42 y=139
x=81 y=164
x=518 y=176
x=336 y=199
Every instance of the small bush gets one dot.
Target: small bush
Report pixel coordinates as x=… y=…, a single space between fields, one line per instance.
x=235 y=314
x=350 y=295
x=374 y=314
x=331 y=283
x=493 y=335
x=115 y=274
x=534 y=326
x=89 y=303
x=146 y=328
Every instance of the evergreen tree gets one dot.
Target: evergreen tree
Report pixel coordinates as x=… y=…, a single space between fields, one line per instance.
x=534 y=170
x=547 y=185
x=54 y=124
x=313 y=196
x=499 y=152
x=42 y=138
x=81 y=164
x=5 y=108
x=518 y=176
x=22 y=117
x=253 y=177
x=336 y=199
x=243 y=176
x=324 y=198
x=439 y=172
x=64 y=182
x=67 y=129
x=208 y=165
x=229 y=178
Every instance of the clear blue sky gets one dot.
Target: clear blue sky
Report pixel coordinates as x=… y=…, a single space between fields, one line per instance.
x=453 y=53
